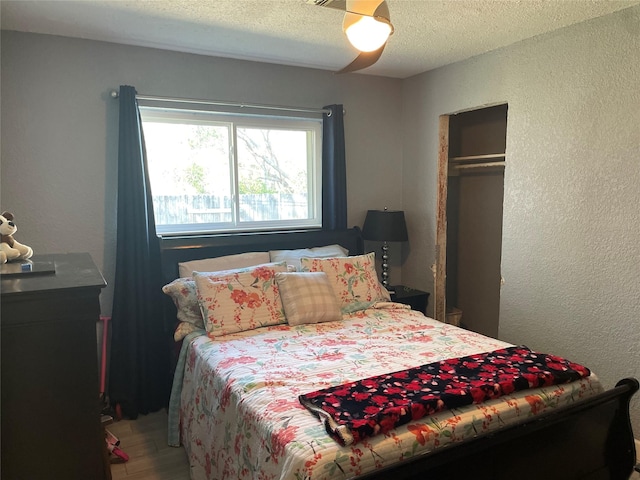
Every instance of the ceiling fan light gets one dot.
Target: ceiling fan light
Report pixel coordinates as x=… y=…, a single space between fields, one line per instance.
x=366 y=33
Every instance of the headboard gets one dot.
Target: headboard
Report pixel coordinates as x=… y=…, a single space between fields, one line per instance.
x=183 y=249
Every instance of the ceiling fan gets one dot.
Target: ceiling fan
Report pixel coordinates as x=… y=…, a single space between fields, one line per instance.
x=367 y=25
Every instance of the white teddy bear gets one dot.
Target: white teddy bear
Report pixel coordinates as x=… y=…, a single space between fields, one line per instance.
x=10 y=248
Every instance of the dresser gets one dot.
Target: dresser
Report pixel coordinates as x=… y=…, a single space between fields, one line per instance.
x=49 y=371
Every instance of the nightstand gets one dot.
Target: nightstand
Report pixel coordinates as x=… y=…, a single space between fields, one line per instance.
x=410 y=296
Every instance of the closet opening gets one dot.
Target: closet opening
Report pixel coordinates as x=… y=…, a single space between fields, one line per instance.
x=469 y=231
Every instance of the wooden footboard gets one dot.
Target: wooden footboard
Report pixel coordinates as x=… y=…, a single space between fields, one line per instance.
x=591 y=439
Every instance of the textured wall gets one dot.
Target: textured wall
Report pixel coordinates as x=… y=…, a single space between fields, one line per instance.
x=60 y=130
x=571 y=239
x=571 y=255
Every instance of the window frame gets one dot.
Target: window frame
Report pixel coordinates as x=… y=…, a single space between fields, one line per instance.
x=297 y=121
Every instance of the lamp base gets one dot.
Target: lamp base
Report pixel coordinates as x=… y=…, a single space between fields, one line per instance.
x=385 y=265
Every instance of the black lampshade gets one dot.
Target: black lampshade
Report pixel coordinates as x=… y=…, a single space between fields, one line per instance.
x=385 y=226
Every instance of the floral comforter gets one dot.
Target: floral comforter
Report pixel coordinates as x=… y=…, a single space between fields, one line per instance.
x=241 y=418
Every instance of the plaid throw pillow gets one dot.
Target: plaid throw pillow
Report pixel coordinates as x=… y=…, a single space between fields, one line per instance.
x=307 y=297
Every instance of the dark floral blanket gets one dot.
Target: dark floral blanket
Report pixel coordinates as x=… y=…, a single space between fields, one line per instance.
x=360 y=409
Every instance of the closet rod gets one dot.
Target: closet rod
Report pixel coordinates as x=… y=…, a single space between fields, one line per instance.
x=116 y=94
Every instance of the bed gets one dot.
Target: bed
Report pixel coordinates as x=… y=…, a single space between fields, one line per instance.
x=235 y=400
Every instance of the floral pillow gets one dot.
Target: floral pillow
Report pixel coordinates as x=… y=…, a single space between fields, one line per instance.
x=354 y=280
x=184 y=294
x=242 y=300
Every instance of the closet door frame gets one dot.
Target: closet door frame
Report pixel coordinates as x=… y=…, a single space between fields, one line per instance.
x=440 y=266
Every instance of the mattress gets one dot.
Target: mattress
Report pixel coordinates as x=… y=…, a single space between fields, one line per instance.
x=240 y=416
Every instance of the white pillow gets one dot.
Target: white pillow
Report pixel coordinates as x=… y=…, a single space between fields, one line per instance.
x=292 y=257
x=228 y=262
x=307 y=297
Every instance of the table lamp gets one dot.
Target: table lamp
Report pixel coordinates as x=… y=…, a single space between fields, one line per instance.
x=385 y=226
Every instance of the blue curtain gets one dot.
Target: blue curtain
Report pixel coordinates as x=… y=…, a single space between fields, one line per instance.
x=334 y=170
x=139 y=362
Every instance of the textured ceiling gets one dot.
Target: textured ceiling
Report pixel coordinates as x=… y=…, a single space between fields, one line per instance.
x=428 y=33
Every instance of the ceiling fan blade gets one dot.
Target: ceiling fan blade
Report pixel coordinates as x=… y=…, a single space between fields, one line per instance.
x=363 y=7
x=336 y=4
x=363 y=60
x=383 y=11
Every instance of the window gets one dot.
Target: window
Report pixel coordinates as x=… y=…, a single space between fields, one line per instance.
x=230 y=172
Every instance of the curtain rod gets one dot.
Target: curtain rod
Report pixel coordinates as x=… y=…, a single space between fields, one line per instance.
x=116 y=94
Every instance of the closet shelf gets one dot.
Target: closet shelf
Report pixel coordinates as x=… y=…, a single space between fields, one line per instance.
x=480 y=165
x=475 y=158
x=455 y=170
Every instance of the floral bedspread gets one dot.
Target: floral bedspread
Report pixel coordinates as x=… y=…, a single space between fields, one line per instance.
x=241 y=418
x=374 y=405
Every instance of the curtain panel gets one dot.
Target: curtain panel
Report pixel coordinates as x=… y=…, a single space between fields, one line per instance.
x=334 y=170
x=139 y=380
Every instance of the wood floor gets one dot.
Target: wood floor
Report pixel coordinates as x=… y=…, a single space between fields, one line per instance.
x=150 y=458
